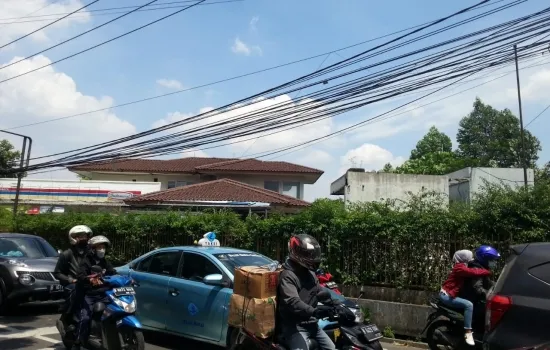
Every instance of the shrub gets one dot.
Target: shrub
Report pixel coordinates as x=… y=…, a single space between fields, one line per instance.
x=406 y=244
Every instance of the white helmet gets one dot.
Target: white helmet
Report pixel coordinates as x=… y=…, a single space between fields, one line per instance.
x=77 y=231
x=99 y=240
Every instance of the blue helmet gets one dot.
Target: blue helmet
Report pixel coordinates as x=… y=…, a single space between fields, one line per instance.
x=486 y=253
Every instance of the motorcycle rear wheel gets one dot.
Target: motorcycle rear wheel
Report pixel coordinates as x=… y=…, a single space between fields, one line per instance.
x=431 y=336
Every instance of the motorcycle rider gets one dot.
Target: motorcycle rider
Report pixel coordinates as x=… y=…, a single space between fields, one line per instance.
x=454 y=283
x=297 y=304
x=90 y=284
x=67 y=265
x=475 y=288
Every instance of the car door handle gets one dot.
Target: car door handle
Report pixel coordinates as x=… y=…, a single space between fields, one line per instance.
x=173 y=292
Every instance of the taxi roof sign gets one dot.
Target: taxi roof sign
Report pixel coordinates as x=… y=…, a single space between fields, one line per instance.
x=209 y=240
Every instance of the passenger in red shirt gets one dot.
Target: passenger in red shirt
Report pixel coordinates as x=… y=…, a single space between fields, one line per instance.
x=451 y=287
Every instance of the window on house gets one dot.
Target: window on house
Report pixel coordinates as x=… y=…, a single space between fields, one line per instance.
x=291 y=189
x=173 y=184
x=272 y=185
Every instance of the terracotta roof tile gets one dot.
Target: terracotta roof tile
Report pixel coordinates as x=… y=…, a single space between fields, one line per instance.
x=219 y=190
x=195 y=165
x=258 y=165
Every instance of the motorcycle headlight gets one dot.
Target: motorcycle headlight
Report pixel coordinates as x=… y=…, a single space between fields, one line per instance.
x=127 y=307
x=359 y=316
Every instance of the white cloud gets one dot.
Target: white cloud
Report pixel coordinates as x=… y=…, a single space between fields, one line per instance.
x=240 y=48
x=47 y=94
x=369 y=157
x=13 y=10
x=253 y=23
x=170 y=84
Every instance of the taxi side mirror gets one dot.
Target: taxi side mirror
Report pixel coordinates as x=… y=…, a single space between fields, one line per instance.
x=215 y=279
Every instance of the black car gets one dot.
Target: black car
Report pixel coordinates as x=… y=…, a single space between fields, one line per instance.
x=518 y=307
x=26 y=270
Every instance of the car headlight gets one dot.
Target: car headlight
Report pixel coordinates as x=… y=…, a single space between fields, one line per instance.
x=17 y=263
x=26 y=279
x=127 y=307
x=359 y=316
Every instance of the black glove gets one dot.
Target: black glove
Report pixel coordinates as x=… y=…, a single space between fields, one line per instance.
x=322 y=311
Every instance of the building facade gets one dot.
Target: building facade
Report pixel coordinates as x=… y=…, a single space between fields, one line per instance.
x=464 y=184
x=358 y=186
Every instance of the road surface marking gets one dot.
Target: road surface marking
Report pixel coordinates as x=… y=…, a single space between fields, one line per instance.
x=47 y=339
x=16 y=333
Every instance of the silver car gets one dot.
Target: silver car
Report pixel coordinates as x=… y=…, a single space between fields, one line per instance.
x=27 y=263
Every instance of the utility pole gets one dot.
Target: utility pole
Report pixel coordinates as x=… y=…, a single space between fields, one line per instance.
x=523 y=160
x=23 y=163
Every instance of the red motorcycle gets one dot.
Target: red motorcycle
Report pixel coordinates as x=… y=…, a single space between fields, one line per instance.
x=325 y=279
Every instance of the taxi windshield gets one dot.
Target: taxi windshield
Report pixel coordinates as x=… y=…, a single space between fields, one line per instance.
x=233 y=260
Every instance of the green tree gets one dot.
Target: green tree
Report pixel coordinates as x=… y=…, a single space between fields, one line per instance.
x=437 y=163
x=388 y=168
x=434 y=141
x=8 y=158
x=493 y=139
x=543 y=173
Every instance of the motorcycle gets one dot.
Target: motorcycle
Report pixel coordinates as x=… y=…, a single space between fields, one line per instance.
x=113 y=322
x=449 y=331
x=342 y=326
x=325 y=279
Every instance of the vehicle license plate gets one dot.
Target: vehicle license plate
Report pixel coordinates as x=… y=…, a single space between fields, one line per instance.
x=371 y=332
x=56 y=288
x=124 y=291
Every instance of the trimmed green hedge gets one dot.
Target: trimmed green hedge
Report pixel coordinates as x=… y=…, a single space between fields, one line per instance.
x=394 y=244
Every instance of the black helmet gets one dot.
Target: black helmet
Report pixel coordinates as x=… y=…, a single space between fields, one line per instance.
x=305 y=250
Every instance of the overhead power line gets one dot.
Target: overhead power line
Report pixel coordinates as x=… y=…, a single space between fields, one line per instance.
x=95 y=14
x=538 y=115
x=297 y=147
x=239 y=76
x=33 y=12
x=76 y=36
x=47 y=25
x=482 y=59
x=447 y=63
x=104 y=42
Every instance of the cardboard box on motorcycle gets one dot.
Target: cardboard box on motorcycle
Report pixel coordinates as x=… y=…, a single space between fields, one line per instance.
x=252 y=304
x=255 y=315
x=255 y=282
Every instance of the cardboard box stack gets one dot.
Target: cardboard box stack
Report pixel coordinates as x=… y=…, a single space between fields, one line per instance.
x=252 y=304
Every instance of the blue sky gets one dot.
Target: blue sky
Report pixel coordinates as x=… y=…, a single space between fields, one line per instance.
x=209 y=43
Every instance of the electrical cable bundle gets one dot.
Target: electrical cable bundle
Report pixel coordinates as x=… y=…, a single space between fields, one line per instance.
x=441 y=64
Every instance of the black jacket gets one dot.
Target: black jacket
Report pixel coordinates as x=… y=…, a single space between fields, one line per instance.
x=67 y=265
x=475 y=288
x=297 y=294
x=85 y=270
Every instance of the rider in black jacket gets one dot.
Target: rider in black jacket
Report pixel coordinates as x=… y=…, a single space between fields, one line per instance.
x=297 y=304
x=475 y=289
x=90 y=284
x=67 y=265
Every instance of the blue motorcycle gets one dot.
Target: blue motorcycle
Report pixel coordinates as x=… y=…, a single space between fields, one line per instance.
x=113 y=324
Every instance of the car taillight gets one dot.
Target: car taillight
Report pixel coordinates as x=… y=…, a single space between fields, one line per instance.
x=497 y=305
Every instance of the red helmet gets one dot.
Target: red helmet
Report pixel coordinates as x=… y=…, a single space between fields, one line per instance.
x=305 y=251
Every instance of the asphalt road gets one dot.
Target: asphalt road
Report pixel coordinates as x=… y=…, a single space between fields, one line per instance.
x=32 y=327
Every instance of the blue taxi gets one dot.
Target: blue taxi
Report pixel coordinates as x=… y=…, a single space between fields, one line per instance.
x=186 y=290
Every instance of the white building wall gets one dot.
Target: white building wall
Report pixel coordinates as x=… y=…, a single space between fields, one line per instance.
x=254 y=180
x=373 y=187
x=467 y=182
